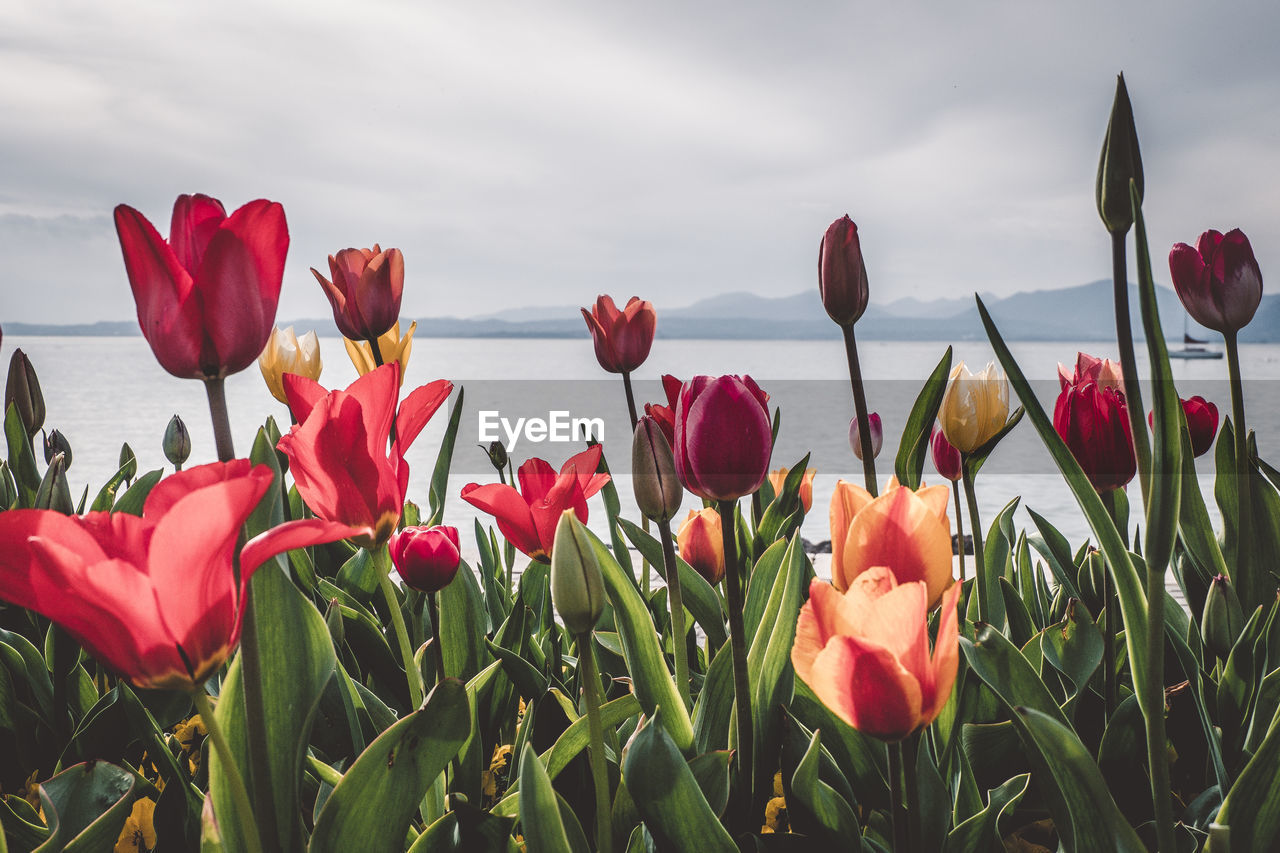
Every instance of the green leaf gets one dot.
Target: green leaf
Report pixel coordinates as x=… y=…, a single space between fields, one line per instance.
x=86 y=805
x=981 y=832
x=699 y=598
x=107 y=494
x=540 y=820
x=999 y=663
x=136 y=495
x=1074 y=646
x=465 y=829
x=914 y=444
x=1056 y=550
x=440 y=476
x=371 y=807
x=714 y=707
x=816 y=809
x=22 y=462
x=463 y=625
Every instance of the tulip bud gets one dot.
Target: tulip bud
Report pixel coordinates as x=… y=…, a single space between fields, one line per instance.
x=177 y=442
x=702 y=544
x=285 y=352
x=653 y=472
x=974 y=407
x=1121 y=161
x=128 y=464
x=55 y=443
x=497 y=455
x=8 y=489
x=946 y=459
x=23 y=391
x=723 y=437
x=577 y=586
x=1223 y=618
x=877 y=436
x=54 y=492
x=1202 y=423
x=1091 y=580
x=333 y=619
x=842 y=275
x=427 y=558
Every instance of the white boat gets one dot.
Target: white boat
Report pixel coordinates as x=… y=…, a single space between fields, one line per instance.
x=1192 y=348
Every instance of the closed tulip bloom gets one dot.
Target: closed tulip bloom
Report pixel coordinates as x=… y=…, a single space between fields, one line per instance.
x=528 y=517
x=778 y=477
x=1202 y=422
x=946 y=459
x=908 y=532
x=154 y=597
x=974 y=407
x=207 y=297
x=865 y=653
x=365 y=290
x=22 y=390
x=723 y=437
x=391 y=347
x=702 y=543
x=427 y=558
x=577 y=585
x=877 y=435
x=1218 y=281
x=657 y=489
x=1094 y=425
x=177 y=442
x=287 y=353
x=622 y=338
x=665 y=416
x=1102 y=371
x=847 y=501
x=338 y=452
x=842 y=275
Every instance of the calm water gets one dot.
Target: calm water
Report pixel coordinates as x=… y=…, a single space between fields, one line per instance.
x=101 y=392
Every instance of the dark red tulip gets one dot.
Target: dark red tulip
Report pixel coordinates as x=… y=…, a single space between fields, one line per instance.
x=528 y=518
x=666 y=415
x=622 y=338
x=723 y=437
x=945 y=457
x=1218 y=281
x=1202 y=423
x=842 y=275
x=427 y=558
x=1094 y=424
x=206 y=298
x=365 y=291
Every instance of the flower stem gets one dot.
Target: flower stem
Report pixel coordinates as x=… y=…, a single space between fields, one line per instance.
x=217 y=395
x=955 y=497
x=631 y=399
x=595 y=752
x=239 y=796
x=979 y=560
x=897 y=811
x=433 y=610
x=1251 y=587
x=644 y=519
x=255 y=711
x=1108 y=626
x=860 y=408
x=1129 y=363
x=382 y=558
x=1153 y=710
x=738 y=653
x=676 y=598
x=910 y=755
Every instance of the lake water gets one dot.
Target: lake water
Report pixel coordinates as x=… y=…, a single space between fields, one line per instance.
x=101 y=392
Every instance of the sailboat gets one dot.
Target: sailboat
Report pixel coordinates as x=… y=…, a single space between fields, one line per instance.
x=1192 y=348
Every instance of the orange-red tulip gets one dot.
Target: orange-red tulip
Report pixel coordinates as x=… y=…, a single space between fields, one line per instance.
x=365 y=291
x=702 y=543
x=666 y=415
x=865 y=653
x=622 y=338
x=1104 y=372
x=779 y=476
x=847 y=500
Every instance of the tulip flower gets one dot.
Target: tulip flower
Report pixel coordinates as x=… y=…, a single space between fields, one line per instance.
x=877 y=436
x=391 y=347
x=622 y=338
x=338 y=451
x=365 y=291
x=974 y=407
x=657 y=489
x=1218 y=281
x=285 y=352
x=1121 y=161
x=723 y=437
x=427 y=558
x=22 y=390
x=702 y=543
x=154 y=597
x=577 y=586
x=207 y=297
x=528 y=517
x=1094 y=424
x=1102 y=371
x=847 y=500
x=778 y=477
x=842 y=275
x=55 y=443
x=865 y=653
x=946 y=459
x=666 y=415
x=1202 y=422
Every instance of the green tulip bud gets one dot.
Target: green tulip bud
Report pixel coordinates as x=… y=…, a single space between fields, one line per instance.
x=577 y=587
x=22 y=389
x=177 y=442
x=497 y=455
x=1223 y=619
x=1121 y=161
x=54 y=492
x=55 y=443
x=1091 y=579
x=8 y=489
x=333 y=619
x=128 y=464
x=657 y=487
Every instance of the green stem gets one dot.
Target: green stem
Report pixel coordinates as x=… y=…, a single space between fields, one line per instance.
x=1153 y=711
x=644 y=520
x=595 y=752
x=1250 y=587
x=897 y=812
x=1108 y=626
x=256 y=715
x=955 y=497
x=910 y=755
x=979 y=561
x=741 y=679
x=217 y=395
x=676 y=599
x=433 y=610
x=382 y=559
x=860 y=408
x=1129 y=363
x=239 y=796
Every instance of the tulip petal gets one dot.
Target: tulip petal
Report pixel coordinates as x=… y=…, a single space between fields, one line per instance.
x=377 y=391
x=586 y=463
x=196 y=219
x=725 y=439
x=865 y=685
x=510 y=511
x=417 y=409
x=303 y=393
x=565 y=494
x=814 y=627
x=332 y=467
x=940 y=676
x=536 y=478
x=172 y=489
x=847 y=501
x=902 y=532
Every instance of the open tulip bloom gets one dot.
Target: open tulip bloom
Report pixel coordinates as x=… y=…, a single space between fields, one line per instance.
x=154 y=597
x=365 y=290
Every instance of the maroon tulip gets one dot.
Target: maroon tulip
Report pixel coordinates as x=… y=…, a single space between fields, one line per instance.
x=622 y=338
x=207 y=297
x=723 y=437
x=842 y=275
x=1094 y=424
x=1218 y=281
x=365 y=291
x=666 y=415
x=427 y=558
x=1202 y=423
x=945 y=457
x=877 y=435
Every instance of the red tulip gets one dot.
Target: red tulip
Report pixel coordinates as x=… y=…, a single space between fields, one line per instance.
x=723 y=437
x=865 y=653
x=1218 y=281
x=338 y=449
x=1103 y=371
x=427 y=558
x=154 y=597
x=622 y=338
x=1094 y=424
x=842 y=275
x=946 y=459
x=206 y=298
x=666 y=415
x=365 y=291
x=528 y=517
x=1202 y=423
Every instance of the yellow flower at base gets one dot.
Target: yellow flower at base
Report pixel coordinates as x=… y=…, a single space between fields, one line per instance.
x=391 y=347
x=778 y=477
x=974 y=407
x=287 y=353
x=138 y=835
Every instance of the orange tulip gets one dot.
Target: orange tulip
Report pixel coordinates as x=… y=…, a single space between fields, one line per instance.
x=778 y=477
x=865 y=653
x=907 y=532
x=702 y=544
x=846 y=502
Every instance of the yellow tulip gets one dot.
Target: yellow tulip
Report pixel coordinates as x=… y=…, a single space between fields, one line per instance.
x=287 y=353
x=974 y=407
x=391 y=347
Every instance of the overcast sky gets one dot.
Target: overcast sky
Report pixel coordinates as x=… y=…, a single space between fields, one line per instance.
x=539 y=153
